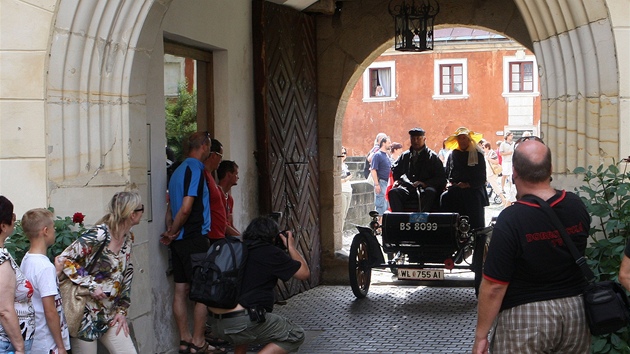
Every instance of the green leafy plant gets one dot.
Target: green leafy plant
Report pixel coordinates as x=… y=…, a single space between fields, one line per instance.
x=67 y=229
x=607 y=198
x=181 y=119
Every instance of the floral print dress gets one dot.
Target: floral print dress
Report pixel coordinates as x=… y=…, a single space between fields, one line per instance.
x=113 y=272
x=23 y=305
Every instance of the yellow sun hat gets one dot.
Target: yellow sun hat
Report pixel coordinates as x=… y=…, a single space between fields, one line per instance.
x=451 y=142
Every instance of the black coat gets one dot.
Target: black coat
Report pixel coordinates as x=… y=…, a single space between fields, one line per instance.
x=428 y=168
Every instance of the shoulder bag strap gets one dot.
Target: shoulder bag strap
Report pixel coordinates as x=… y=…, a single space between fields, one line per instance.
x=580 y=260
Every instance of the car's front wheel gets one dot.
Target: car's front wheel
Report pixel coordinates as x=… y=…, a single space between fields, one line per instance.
x=359 y=269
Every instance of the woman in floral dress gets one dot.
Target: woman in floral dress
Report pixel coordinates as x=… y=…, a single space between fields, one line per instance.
x=108 y=277
x=17 y=315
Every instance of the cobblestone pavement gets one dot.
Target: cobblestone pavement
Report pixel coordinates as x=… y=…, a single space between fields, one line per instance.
x=391 y=319
x=395 y=317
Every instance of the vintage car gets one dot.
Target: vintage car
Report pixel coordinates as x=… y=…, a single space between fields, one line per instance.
x=419 y=246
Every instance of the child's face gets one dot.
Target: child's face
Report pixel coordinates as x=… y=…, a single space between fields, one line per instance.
x=49 y=234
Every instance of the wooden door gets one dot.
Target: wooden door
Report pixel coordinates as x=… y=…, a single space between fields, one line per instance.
x=286 y=122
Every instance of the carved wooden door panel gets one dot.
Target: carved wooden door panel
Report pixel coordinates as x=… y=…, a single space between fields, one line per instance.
x=286 y=123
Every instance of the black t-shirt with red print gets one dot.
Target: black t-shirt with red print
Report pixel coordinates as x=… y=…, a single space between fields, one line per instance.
x=528 y=253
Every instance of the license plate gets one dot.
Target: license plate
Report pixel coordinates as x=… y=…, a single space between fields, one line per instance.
x=421 y=274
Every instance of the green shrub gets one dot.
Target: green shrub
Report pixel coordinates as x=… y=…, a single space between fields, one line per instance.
x=607 y=198
x=67 y=229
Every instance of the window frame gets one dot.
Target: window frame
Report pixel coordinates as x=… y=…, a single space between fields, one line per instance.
x=367 y=97
x=521 y=74
x=437 y=78
x=520 y=57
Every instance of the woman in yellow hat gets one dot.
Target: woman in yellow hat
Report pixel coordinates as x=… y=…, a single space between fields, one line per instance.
x=466 y=174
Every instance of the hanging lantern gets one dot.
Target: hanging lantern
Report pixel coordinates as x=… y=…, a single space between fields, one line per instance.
x=413 y=24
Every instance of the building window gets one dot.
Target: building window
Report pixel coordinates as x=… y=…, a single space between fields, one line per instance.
x=522 y=76
x=450 y=79
x=379 y=82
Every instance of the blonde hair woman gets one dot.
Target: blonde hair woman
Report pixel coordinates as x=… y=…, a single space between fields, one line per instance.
x=100 y=261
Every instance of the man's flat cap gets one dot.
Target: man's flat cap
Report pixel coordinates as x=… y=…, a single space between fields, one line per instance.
x=416 y=132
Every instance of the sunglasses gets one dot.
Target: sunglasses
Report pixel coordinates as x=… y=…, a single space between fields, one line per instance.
x=218 y=153
x=140 y=209
x=525 y=138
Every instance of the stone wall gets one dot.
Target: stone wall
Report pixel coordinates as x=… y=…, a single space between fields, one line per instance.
x=362 y=195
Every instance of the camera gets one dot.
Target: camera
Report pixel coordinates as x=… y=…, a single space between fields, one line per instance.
x=278 y=241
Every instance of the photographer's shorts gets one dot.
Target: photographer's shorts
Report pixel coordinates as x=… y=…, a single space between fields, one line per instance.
x=276 y=329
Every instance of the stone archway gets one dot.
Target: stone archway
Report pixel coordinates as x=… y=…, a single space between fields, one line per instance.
x=102 y=86
x=96 y=111
x=575 y=48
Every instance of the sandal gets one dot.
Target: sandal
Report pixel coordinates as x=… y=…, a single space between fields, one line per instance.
x=214 y=340
x=185 y=344
x=204 y=349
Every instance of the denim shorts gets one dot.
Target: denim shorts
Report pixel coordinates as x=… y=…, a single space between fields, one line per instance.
x=7 y=347
x=276 y=329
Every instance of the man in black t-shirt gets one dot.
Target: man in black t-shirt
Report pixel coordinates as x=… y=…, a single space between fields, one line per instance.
x=531 y=284
x=252 y=321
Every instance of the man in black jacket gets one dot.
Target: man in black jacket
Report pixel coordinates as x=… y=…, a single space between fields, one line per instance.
x=419 y=177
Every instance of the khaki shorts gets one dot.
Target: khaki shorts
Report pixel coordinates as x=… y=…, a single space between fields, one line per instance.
x=276 y=329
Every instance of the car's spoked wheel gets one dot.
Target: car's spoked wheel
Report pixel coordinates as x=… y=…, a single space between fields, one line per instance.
x=359 y=266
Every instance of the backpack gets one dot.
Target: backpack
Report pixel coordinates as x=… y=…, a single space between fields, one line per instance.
x=367 y=165
x=217 y=274
x=366 y=168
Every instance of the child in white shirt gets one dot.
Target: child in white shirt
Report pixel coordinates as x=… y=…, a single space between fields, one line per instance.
x=51 y=330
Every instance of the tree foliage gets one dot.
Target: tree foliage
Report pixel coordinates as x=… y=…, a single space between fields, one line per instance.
x=181 y=119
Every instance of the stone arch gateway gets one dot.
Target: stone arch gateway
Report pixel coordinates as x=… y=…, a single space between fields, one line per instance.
x=73 y=97
x=577 y=44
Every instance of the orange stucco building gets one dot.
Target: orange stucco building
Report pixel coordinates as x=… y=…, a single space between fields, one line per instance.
x=473 y=78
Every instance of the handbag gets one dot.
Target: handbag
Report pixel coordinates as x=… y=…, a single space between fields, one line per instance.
x=74 y=297
x=606 y=304
x=496 y=169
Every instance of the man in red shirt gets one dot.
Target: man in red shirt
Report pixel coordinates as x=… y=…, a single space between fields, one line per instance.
x=218 y=217
x=227 y=173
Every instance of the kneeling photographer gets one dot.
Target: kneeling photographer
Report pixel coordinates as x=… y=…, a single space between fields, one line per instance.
x=252 y=320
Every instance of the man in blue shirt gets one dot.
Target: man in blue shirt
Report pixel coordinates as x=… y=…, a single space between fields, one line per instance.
x=380 y=168
x=187 y=234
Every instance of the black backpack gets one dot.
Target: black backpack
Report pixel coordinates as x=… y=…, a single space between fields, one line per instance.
x=218 y=273
x=366 y=166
